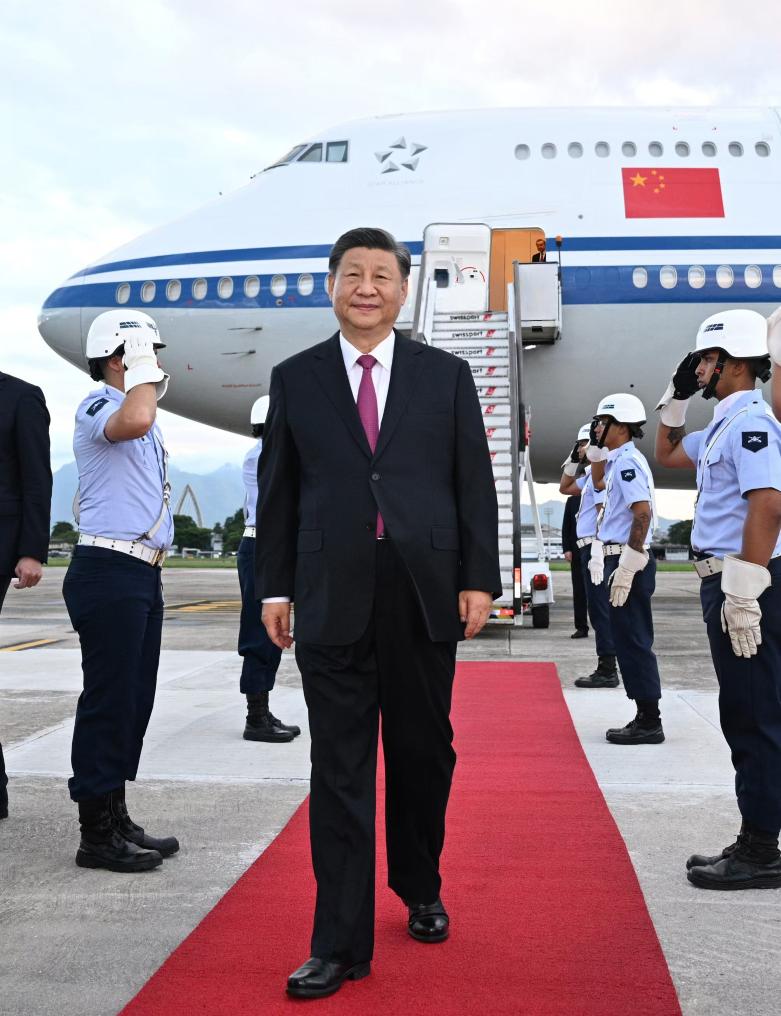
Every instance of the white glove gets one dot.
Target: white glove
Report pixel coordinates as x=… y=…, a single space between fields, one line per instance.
x=774 y=336
x=683 y=384
x=620 y=582
x=141 y=366
x=596 y=564
x=596 y=454
x=742 y=583
x=570 y=468
x=673 y=411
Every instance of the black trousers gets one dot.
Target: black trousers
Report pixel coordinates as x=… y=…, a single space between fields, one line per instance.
x=394 y=671
x=633 y=633
x=598 y=607
x=578 y=592
x=750 y=702
x=5 y=582
x=115 y=603
x=259 y=654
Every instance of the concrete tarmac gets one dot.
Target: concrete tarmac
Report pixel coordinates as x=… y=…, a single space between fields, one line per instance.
x=83 y=942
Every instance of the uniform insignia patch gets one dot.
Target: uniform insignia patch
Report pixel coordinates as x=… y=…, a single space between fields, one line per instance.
x=96 y=407
x=628 y=474
x=754 y=440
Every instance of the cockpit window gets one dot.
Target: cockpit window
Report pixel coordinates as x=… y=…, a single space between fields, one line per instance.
x=292 y=154
x=313 y=154
x=336 y=151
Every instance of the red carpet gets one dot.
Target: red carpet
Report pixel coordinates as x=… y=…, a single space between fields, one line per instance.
x=548 y=917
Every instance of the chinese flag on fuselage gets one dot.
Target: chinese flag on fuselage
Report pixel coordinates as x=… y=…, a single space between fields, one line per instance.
x=672 y=194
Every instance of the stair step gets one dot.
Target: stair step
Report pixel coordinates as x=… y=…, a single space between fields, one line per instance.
x=493 y=390
x=440 y=335
x=479 y=348
x=486 y=371
x=470 y=315
x=497 y=433
x=499 y=446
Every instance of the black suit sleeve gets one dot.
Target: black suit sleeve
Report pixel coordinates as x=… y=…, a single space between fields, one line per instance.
x=478 y=514
x=569 y=524
x=35 y=472
x=277 y=509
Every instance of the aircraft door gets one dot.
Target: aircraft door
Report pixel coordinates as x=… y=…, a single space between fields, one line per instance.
x=508 y=245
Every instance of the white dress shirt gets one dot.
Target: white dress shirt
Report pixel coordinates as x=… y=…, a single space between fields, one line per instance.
x=381 y=372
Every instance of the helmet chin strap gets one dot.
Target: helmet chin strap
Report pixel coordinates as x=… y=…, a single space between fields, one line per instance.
x=605 y=429
x=709 y=391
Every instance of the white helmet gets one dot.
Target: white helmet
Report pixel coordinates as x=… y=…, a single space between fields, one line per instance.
x=742 y=334
x=585 y=432
x=259 y=410
x=622 y=407
x=107 y=332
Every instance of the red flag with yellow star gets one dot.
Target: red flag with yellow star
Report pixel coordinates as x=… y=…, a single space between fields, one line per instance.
x=672 y=194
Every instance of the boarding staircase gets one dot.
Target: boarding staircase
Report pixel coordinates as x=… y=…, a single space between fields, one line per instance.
x=491 y=343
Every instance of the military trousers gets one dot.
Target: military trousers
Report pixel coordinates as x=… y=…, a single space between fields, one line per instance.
x=750 y=702
x=632 y=626
x=259 y=654
x=115 y=603
x=598 y=607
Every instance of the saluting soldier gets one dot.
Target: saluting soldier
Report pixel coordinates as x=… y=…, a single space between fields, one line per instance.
x=113 y=589
x=620 y=558
x=736 y=538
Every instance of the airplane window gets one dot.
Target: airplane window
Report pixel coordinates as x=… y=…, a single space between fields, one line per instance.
x=278 y=285
x=762 y=148
x=148 y=292
x=225 y=288
x=200 y=286
x=682 y=149
x=602 y=149
x=173 y=290
x=777 y=276
x=288 y=158
x=522 y=151
x=724 y=277
x=575 y=150
x=735 y=148
x=313 y=154
x=753 y=276
x=306 y=284
x=640 y=278
x=336 y=151
x=696 y=276
x=629 y=149
x=123 y=292
x=656 y=148
x=548 y=150
x=251 y=286
x=668 y=276
x=709 y=149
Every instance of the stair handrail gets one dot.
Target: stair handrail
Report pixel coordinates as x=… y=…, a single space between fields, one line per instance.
x=421 y=302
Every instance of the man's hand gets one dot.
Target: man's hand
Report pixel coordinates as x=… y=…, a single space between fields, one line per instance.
x=276 y=618
x=474 y=609
x=742 y=583
x=141 y=366
x=620 y=582
x=683 y=384
x=567 y=555
x=596 y=564
x=28 y=573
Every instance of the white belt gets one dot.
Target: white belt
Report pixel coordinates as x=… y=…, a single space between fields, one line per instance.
x=249 y=531
x=584 y=541
x=611 y=549
x=708 y=566
x=133 y=548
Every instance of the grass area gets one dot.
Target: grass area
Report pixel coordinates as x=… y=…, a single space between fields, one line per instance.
x=662 y=566
x=171 y=562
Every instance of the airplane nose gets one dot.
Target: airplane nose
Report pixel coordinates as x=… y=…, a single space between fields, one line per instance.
x=59 y=323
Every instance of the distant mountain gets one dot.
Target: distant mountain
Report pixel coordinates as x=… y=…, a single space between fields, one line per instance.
x=219 y=493
x=557 y=515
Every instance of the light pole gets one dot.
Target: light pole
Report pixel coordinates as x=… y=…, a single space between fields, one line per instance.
x=548 y=512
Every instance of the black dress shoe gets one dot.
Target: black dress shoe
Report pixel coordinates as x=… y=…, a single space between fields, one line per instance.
x=428 y=922
x=318 y=978
x=580 y=633
x=735 y=872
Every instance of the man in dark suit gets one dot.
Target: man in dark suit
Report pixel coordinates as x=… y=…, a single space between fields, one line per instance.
x=569 y=544
x=377 y=516
x=540 y=256
x=25 y=497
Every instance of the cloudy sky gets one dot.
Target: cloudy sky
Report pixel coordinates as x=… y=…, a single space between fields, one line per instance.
x=117 y=117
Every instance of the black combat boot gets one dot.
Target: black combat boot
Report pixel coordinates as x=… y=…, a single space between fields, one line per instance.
x=704 y=860
x=165 y=845
x=754 y=864
x=261 y=725
x=645 y=728
x=104 y=846
x=605 y=676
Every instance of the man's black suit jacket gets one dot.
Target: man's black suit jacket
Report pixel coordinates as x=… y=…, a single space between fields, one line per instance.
x=569 y=524
x=25 y=473
x=320 y=487
x=539 y=257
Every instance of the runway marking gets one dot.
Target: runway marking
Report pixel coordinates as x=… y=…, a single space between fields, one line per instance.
x=19 y=646
x=202 y=605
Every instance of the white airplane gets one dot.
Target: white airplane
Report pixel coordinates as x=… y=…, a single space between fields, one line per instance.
x=665 y=215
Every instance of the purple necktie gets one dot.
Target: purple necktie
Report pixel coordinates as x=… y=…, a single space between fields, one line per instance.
x=367 y=410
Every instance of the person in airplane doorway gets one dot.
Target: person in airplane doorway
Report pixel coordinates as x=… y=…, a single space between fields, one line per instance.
x=540 y=257
x=591 y=501
x=260 y=657
x=572 y=467
x=113 y=588
x=25 y=498
x=377 y=515
x=736 y=539
x=620 y=558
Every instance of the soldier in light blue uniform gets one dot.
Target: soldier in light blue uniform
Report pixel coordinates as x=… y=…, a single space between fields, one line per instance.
x=621 y=560
x=736 y=538
x=113 y=589
x=573 y=482
x=260 y=656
